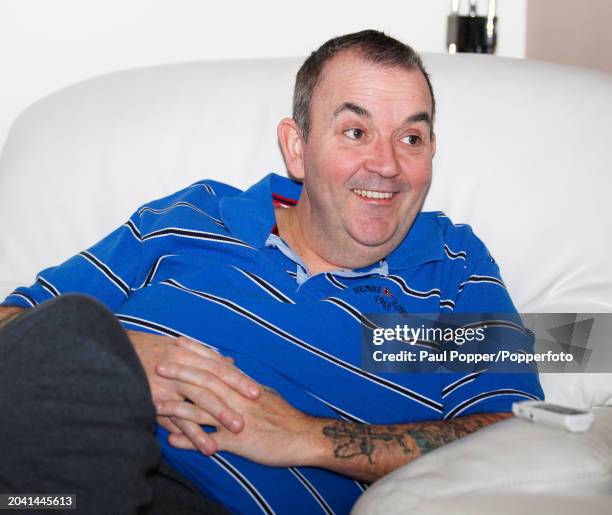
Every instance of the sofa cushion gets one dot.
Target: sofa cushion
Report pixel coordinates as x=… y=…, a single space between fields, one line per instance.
x=510 y=456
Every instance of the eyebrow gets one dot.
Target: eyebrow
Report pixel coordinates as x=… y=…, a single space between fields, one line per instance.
x=353 y=108
x=421 y=116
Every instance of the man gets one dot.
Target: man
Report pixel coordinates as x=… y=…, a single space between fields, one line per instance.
x=279 y=279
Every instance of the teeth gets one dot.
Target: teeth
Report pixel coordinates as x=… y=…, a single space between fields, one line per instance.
x=373 y=194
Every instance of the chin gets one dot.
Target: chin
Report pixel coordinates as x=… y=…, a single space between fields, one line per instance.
x=373 y=238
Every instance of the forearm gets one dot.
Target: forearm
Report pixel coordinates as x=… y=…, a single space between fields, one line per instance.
x=7 y=313
x=368 y=452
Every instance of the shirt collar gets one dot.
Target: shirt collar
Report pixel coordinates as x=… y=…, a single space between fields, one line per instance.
x=250 y=217
x=423 y=243
x=380 y=268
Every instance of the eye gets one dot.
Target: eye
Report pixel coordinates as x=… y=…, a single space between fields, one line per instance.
x=412 y=139
x=355 y=133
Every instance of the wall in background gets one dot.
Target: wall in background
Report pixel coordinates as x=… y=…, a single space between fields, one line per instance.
x=570 y=32
x=47 y=45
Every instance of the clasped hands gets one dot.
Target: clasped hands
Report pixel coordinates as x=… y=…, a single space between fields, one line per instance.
x=193 y=385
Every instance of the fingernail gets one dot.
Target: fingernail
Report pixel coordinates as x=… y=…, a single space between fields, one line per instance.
x=236 y=425
x=254 y=391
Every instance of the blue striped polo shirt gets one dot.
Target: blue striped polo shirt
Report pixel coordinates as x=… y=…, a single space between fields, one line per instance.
x=205 y=263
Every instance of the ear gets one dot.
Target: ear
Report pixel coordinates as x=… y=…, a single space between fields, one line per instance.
x=292 y=145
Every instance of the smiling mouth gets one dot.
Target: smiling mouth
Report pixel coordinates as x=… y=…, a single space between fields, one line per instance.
x=382 y=195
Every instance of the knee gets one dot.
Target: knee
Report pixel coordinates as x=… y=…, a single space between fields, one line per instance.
x=76 y=303
x=84 y=330
x=76 y=311
x=71 y=318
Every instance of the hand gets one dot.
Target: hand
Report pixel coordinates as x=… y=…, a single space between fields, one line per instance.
x=275 y=433
x=8 y=313
x=203 y=367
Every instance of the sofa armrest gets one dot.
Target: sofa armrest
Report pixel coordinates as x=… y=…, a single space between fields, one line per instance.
x=512 y=456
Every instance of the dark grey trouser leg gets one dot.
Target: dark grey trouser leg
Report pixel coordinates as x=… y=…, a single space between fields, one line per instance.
x=76 y=410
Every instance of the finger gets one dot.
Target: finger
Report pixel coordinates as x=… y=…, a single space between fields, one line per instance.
x=185 y=410
x=202 y=373
x=180 y=441
x=205 y=399
x=167 y=424
x=197 y=347
x=221 y=439
x=202 y=350
x=214 y=405
x=165 y=389
x=198 y=437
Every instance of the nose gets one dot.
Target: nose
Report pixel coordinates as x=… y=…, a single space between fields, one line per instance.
x=382 y=159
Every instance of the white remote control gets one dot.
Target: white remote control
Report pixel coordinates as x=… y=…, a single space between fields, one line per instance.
x=574 y=420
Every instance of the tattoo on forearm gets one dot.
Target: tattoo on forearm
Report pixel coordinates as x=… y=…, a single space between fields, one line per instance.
x=351 y=439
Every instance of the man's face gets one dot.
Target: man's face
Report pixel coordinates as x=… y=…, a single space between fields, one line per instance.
x=367 y=162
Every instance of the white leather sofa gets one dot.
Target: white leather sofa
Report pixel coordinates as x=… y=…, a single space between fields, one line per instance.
x=522 y=157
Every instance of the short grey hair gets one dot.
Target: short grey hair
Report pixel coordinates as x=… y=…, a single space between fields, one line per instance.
x=374 y=46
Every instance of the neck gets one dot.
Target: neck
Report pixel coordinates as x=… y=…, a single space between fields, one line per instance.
x=293 y=227
x=291 y=231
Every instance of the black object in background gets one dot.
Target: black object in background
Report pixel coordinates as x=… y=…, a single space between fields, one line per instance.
x=472 y=33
